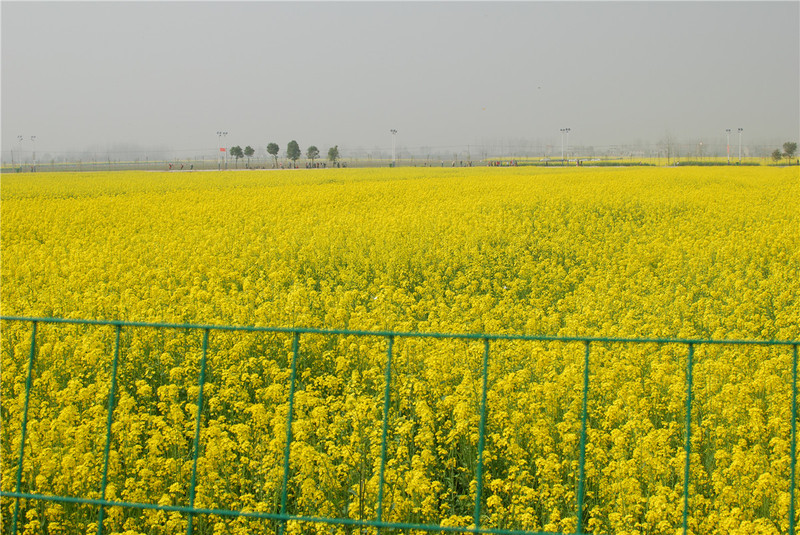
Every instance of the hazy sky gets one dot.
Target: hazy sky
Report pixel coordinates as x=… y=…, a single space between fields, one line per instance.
x=80 y=74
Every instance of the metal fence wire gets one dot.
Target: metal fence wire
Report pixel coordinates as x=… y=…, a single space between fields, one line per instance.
x=24 y=494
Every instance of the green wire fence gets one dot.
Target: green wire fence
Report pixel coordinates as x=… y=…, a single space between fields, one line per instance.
x=379 y=522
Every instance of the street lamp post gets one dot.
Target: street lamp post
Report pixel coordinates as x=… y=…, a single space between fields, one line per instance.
x=221 y=150
x=19 y=152
x=33 y=157
x=394 y=135
x=728 y=134
x=564 y=131
x=740 y=144
x=568 y=129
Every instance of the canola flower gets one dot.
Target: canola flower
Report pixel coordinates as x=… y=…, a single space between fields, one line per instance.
x=709 y=253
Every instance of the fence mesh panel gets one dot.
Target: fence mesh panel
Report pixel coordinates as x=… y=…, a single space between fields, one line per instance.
x=113 y=426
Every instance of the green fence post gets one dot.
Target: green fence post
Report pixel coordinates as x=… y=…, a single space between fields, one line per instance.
x=24 y=424
x=481 y=437
x=288 y=449
x=794 y=439
x=686 y=470
x=582 y=461
x=196 y=448
x=386 y=395
x=111 y=395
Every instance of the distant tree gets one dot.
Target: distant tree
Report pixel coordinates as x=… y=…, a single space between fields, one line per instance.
x=293 y=151
x=237 y=153
x=249 y=151
x=776 y=155
x=668 y=145
x=312 y=153
x=333 y=154
x=789 y=148
x=273 y=149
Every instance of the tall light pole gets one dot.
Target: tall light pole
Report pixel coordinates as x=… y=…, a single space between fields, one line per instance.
x=564 y=131
x=19 y=152
x=568 y=129
x=728 y=133
x=394 y=135
x=740 y=144
x=33 y=139
x=221 y=149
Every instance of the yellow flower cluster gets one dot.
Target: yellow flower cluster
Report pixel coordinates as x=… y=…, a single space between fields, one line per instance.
x=707 y=253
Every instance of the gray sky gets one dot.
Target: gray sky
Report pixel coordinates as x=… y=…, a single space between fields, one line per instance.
x=80 y=74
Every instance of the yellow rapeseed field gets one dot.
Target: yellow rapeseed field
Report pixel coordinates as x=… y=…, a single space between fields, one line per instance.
x=678 y=253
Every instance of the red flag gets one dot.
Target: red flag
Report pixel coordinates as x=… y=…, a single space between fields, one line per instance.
x=222 y=149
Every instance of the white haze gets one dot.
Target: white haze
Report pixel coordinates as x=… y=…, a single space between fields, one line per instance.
x=449 y=76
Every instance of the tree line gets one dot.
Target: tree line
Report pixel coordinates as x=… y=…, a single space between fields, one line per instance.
x=789 y=149
x=293 y=152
